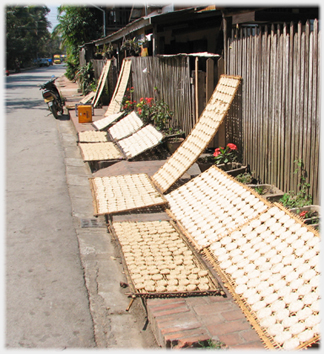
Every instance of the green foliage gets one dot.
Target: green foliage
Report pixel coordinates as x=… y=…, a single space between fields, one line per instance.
x=158 y=113
x=302 y=197
x=174 y=131
x=78 y=25
x=211 y=344
x=86 y=77
x=127 y=105
x=260 y=190
x=244 y=178
x=131 y=46
x=27 y=35
x=226 y=155
x=161 y=114
x=72 y=67
x=145 y=109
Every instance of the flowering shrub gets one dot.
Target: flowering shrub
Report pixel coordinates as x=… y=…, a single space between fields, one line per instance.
x=161 y=114
x=156 y=112
x=225 y=155
x=303 y=214
x=127 y=104
x=149 y=110
x=302 y=197
x=144 y=108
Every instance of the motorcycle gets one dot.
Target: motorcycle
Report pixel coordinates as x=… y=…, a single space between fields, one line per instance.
x=52 y=97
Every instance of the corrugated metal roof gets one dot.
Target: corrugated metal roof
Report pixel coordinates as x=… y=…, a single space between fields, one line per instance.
x=201 y=54
x=138 y=24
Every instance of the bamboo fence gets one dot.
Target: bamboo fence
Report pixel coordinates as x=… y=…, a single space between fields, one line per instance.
x=171 y=77
x=279 y=117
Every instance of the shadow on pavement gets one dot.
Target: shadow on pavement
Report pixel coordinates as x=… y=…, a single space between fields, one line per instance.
x=64 y=117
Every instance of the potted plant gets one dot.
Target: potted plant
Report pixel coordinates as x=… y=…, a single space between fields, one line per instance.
x=159 y=114
x=268 y=191
x=110 y=50
x=226 y=159
x=131 y=46
x=172 y=144
x=302 y=198
x=310 y=214
x=205 y=161
x=246 y=178
x=127 y=105
x=173 y=138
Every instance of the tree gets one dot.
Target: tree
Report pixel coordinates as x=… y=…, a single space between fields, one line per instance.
x=27 y=35
x=77 y=25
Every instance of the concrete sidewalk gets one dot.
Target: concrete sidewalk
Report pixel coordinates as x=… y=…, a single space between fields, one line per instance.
x=175 y=322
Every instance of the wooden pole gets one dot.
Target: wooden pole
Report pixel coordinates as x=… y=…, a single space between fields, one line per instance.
x=196 y=88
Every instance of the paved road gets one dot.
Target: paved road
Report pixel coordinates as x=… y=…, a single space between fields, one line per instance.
x=62 y=274
x=46 y=298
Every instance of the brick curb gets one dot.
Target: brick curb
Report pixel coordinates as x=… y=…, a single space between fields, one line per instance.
x=189 y=322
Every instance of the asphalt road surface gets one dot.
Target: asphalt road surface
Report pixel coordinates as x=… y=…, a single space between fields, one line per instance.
x=46 y=303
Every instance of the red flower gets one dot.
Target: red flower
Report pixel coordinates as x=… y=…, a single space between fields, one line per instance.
x=217 y=152
x=302 y=214
x=141 y=99
x=140 y=111
x=149 y=100
x=232 y=146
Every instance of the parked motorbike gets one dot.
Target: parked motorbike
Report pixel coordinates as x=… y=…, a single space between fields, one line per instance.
x=52 y=97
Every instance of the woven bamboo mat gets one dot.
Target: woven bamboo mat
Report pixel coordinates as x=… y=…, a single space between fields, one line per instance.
x=124 y=193
x=130 y=147
x=91 y=136
x=160 y=263
x=120 y=89
x=271 y=267
x=148 y=137
x=211 y=204
x=105 y=122
x=141 y=141
x=101 y=83
x=201 y=135
x=100 y=151
x=125 y=127
x=87 y=98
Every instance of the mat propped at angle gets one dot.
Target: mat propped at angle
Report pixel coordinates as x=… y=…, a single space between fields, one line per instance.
x=86 y=99
x=127 y=148
x=201 y=135
x=271 y=265
x=199 y=138
x=120 y=89
x=93 y=97
x=125 y=127
x=122 y=129
x=105 y=122
x=212 y=204
x=116 y=194
x=101 y=83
